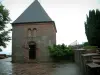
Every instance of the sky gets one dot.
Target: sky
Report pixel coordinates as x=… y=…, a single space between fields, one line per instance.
x=69 y=17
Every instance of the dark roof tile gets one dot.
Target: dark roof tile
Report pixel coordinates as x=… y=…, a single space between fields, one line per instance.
x=34 y=13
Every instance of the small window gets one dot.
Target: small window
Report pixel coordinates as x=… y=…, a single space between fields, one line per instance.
x=29 y=28
x=34 y=32
x=29 y=32
x=34 y=29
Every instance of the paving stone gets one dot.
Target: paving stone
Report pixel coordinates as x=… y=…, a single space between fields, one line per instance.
x=8 y=68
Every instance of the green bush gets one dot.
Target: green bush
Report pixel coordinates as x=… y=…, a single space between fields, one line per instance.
x=86 y=44
x=61 y=52
x=90 y=47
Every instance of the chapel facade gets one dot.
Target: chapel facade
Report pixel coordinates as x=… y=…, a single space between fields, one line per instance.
x=32 y=32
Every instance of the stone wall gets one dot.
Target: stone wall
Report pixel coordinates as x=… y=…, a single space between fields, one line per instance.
x=79 y=60
x=45 y=35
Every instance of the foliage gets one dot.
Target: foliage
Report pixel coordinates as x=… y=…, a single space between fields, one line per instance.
x=61 y=52
x=86 y=44
x=4 y=19
x=90 y=47
x=92 y=28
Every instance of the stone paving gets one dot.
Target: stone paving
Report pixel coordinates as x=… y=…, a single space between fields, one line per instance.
x=7 y=68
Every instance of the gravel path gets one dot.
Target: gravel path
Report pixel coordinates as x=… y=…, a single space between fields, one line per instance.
x=7 y=68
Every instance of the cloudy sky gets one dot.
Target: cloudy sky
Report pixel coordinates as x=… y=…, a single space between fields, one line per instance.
x=69 y=16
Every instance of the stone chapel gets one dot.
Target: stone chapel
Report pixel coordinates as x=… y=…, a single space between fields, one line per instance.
x=32 y=32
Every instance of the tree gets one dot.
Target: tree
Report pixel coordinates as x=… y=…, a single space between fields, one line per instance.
x=4 y=19
x=85 y=44
x=92 y=28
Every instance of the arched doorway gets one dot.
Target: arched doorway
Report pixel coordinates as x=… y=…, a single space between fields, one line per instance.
x=32 y=50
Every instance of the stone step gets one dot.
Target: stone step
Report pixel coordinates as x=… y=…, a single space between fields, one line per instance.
x=96 y=61
x=93 y=65
x=96 y=57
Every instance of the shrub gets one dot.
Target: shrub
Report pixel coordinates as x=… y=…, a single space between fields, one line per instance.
x=61 y=52
x=90 y=47
x=86 y=44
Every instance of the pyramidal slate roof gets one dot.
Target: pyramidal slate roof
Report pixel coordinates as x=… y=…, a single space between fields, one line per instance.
x=34 y=13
